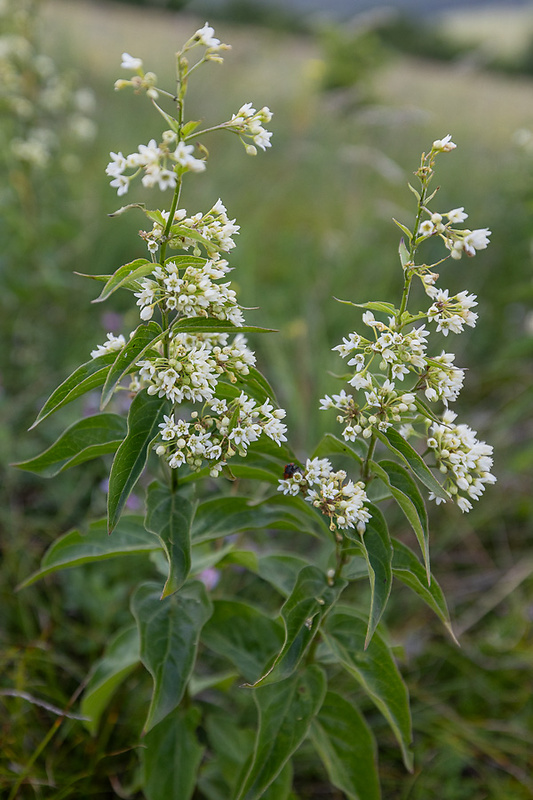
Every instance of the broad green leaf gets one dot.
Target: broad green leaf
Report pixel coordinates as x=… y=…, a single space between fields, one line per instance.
x=171 y=756
x=347 y=748
x=121 y=657
x=146 y=412
x=142 y=340
x=408 y=569
x=185 y=232
x=244 y=635
x=83 y=440
x=82 y=380
x=309 y=601
x=330 y=445
x=169 y=515
x=405 y=492
x=377 y=550
x=374 y=668
x=75 y=548
x=169 y=631
x=124 y=275
x=385 y=308
x=286 y=710
x=395 y=442
x=281 y=570
x=214 y=326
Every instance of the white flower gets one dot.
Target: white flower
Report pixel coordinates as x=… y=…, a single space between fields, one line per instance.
x=457 y=215
x=205 y=36
x=129 y=62
x=444 y=145
x=477 y=239
x=113 y=344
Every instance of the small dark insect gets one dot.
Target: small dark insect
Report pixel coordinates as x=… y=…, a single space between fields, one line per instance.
x=290 y=470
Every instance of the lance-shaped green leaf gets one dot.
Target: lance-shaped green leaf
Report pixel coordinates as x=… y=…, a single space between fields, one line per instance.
x=244 y=635
x=121 y=657
x=281 y=570
x=142 y=340
x=75 y=548
x=83 y=440
x=88 y=376
x=286 y=710
x=385 y=308
x=374 y=668
x=330 y=445
x=169 y=515
x=398 y=445
x=302 y=612
x=347 y=748
x=171 y=756
x=376 y=548
x=125 y=275
x=408 y=569
x=169 y=631
x=405 y=492
x=214 y=326
x=146 y=412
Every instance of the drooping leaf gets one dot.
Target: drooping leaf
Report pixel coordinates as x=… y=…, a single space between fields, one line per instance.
x=408 y=569
x=88 y=376
x=121 y=657
x=311 y=597
x=146 y=412
x=169 y=515
x=330 y=445
x=347 y=748
x=145 y=337
x=169 y=631
x=88 y=438
x=244 y=635
x=124 y=275
x=75 y=548
x=171 y=756
x=398 y=445
x=374 y=668
x=286 y=710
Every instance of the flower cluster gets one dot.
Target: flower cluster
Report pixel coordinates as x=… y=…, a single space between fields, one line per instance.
x=213 y=230
x=248 y=123
x=342 y=500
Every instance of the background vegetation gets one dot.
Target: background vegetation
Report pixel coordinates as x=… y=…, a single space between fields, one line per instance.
x=351 y=116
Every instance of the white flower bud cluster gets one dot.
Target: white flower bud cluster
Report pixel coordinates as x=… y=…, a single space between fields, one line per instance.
x=457 y=241
x=248 y=123
x=462 y=458
x=215 y=228
x=451 y=313
x=227 y=429
x=343 y=501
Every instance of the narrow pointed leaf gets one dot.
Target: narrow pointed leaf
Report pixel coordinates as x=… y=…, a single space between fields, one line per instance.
x=121 y=656
x=302 y=612
x=169 y=515
x=286 y=710
x=395 y=442
x=404 y=229
x=330 y=445
x=142 y=340
x=171 y=756
x=408 y=569
x=214 y=326
x=374 y=668
x=88 y=376
x=146 y=412
x=169 y=631
x=385 y=308
x=83 y=440
x=75 y=548
x=347 y=748
x=124 y=275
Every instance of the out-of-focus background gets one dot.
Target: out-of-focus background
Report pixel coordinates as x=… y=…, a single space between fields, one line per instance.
x=358 y=90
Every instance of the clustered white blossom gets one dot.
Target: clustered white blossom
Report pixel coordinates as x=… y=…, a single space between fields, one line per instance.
x=248 y=123
x=342 y=500
x=398 y=352
x=213 y=230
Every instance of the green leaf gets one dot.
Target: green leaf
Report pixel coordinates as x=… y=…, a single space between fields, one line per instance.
x=347 y=748
x=171 y=756
x=214 y=326
x=395 y=442
x=169 y=515
x=385 y=308
x=83 y=440
x=169 y=631
x=88 y=376
x=345 y=633
x=405 y=492
x=75 y=548
x=281 y=570
x=171 y=122
x=404 y=229
x=330 y=445
x=244 y=635
x=405 y=256
x=121 y=657
x=125 y=275
x=408 y=569
x=309 y=601
x=142 y=340
x=286 y=710
x=146 y=412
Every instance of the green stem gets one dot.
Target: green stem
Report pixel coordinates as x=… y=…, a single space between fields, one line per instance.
x=365 y=469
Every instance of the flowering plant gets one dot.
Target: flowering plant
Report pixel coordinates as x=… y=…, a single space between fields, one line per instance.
x=219 y=658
